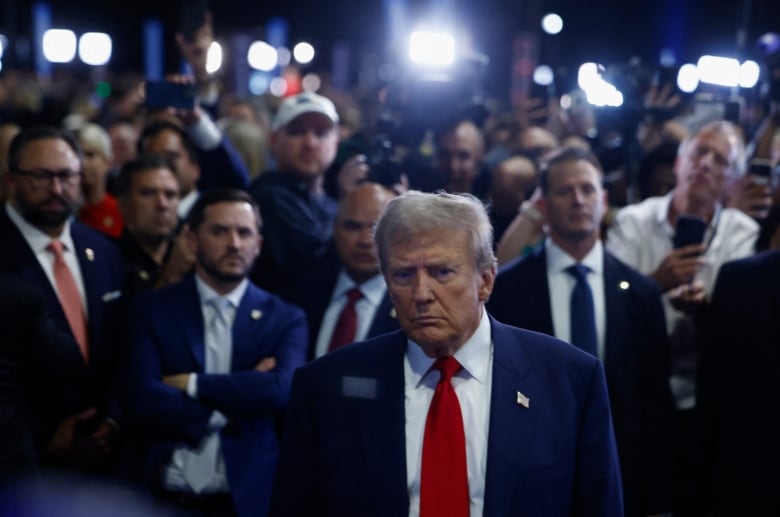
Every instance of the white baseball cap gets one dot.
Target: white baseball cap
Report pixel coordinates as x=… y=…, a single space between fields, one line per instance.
x=306 y=102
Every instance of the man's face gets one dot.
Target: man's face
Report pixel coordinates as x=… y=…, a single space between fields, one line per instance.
x=149 y=207
x=306 y=146
x=575 y=201
x=227 y=242
x=168 y=143
x=46 y=203
x=354 y=227
x=460 y=157
x=436 y=289
x=704 y=165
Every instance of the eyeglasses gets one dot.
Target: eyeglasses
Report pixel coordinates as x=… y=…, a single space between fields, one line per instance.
x=42 y=178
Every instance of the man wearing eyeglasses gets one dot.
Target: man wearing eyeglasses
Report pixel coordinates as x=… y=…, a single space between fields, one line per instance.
x=79 y=274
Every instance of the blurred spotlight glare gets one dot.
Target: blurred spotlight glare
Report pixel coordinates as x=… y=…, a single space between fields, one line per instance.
x=598 y=91
x=59 y=45
x=3 y=44
x=95 y=48
x=429 y=48
x=722 y=71
x=283 y=56
x=688 y=78
x=552 y=23
x=303 y=52
x=214 y=57
x=259 y=82
x=749 y=73
x=261 y=56
x=543 y=75
x=278 y=86
x=311 y=82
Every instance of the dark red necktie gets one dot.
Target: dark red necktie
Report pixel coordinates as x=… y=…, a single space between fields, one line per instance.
x=346 y=326
x=444 y=484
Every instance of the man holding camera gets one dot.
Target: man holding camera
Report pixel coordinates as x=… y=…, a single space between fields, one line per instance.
x=642 y=236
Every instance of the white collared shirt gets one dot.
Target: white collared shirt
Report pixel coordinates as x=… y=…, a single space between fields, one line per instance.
x=38 y=242
x=175 y=478
x=373 y=290
x=562 y=283
x=472 y=386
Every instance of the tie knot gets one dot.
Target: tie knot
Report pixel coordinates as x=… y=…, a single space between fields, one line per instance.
x=578 y=271
x=353 y=295
x=447 y=366
x=219 y=304
x=55 y=246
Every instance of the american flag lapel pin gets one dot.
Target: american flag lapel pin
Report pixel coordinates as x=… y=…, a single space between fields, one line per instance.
x=90 y=254
x=256 y=314
x=523 y=400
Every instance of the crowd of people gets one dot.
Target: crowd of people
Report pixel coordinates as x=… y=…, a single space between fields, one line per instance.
x=241 y=308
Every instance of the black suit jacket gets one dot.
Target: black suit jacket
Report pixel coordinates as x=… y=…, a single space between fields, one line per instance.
x=102 y=271
x=636 y=365
x=33 y=353
x=314 y=291
x=738 y=388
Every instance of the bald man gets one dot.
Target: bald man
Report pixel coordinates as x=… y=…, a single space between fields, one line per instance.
x=324 y=290
x=512 y=182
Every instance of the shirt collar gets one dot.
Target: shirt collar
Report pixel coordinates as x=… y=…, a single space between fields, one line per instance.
x=473 y=356
x=558 y=260
x=207 y=294
x=37 y=239
x=373 y=289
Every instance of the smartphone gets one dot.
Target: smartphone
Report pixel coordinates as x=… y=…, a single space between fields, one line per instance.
x=761 y=170
x=689 y=230
x=164 y=94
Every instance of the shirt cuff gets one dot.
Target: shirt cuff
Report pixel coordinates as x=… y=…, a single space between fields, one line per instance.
x=205 y=133
x=192 y=385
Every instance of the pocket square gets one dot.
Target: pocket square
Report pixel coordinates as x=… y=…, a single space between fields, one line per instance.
x=111 y=296
x=358 y=387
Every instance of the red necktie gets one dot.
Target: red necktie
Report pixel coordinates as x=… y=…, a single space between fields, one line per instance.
x=346 y=326
x=70 y=299
x=444 y=485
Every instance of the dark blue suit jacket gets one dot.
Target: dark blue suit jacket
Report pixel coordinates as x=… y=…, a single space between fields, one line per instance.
x=102 y=271
x=313 y=294
x=167 y=338
x=344 y=452
x=738 y=386
x=636 y=365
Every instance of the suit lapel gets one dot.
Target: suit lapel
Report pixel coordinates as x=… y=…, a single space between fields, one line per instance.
x=537 y=292
x=617 y=308
x=512 y=426
x=383 y=432
x=250 y=317
x=190 y=321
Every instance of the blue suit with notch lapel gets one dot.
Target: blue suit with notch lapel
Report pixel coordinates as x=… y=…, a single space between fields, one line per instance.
x=102 y=271
x=344 y=452
x=167 y=337
x=636 y=365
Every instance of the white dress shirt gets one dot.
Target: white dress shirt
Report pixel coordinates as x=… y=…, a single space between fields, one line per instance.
x=373 y=290
x=472 y=385
x=38 y=242
x=641 y=236
x=561 y=284
x=175 y=476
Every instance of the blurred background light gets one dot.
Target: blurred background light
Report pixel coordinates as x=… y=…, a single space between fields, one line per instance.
x=262 y=56
x=431 y=48
x=95 y=48
x=214 y=57
x=59 y=45
x=552 y=23
x=303 y=52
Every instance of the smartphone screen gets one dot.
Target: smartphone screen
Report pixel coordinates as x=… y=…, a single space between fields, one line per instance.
x=164 y=94
x=761 y=170
x=689 y=230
